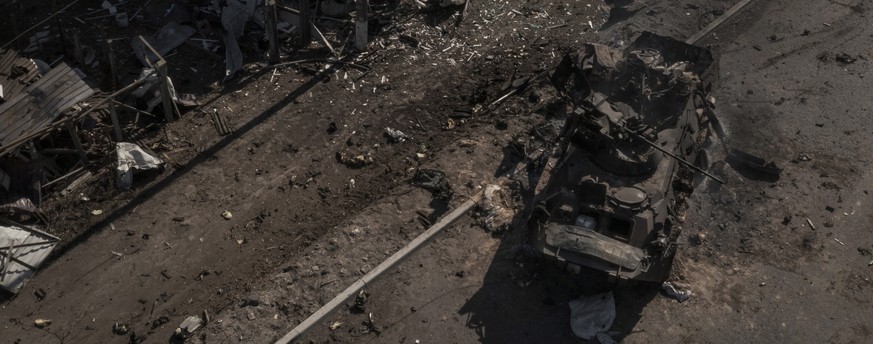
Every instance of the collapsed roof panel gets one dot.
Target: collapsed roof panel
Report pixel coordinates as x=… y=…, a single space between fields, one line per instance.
x=34 y=110
x=22 y=251
x=16 y=73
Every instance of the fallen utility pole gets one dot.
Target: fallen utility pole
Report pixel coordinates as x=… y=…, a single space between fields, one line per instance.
x=387 y=265
x=716 y=23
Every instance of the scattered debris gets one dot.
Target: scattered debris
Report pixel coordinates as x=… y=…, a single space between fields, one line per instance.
x=97 y=212
x=845 y=58
x=188 y=326
x=675 y=294
x=42 y=323
x=40 y=294
x=495 y=208
x=803 y=157
x=160 y=321
x=120 y=329
x=395 y=135
x=840 y=242
x=812 y=226
x=354 y=160
x=360 y=302
x=227 y=215
x=593 y=314
x=371 y=325
x=130 y=158
x=434 y=181
x=335 y=325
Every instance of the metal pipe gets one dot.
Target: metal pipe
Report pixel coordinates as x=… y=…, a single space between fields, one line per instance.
x=716 y=23
x=388 y=264
x=674 y=156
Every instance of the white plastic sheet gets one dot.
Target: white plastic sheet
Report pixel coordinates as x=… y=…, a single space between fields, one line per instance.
x=131 y=157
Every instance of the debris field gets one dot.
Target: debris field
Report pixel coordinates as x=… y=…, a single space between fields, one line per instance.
x=422 y=171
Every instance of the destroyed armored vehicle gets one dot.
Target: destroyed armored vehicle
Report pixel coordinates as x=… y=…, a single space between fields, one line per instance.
x=615 y=192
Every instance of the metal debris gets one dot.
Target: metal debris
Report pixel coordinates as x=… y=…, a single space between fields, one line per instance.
x=675 y=294
x=360 y=302
x=188 y=326
x=120 y=329
x=434 y=181
x=396 y=135
x=22 y=251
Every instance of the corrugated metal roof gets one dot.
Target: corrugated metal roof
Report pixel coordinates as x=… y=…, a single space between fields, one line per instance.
x=15 y=81
x=43 y=101
x=22 y=251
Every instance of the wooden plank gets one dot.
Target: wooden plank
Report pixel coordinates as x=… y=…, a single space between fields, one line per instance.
x=116 y=126
x=165 y=90
x=272 y=29
x=305 y=24
x=74 y=135
x=113 y=69
x=361 y=18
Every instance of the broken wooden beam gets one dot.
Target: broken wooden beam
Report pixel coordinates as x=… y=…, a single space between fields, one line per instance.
x=272 y=29
x=113 y=68
x=305 y=24
x=74 y=135
x=362 y=11
x=113 y=115
x=167 y=99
